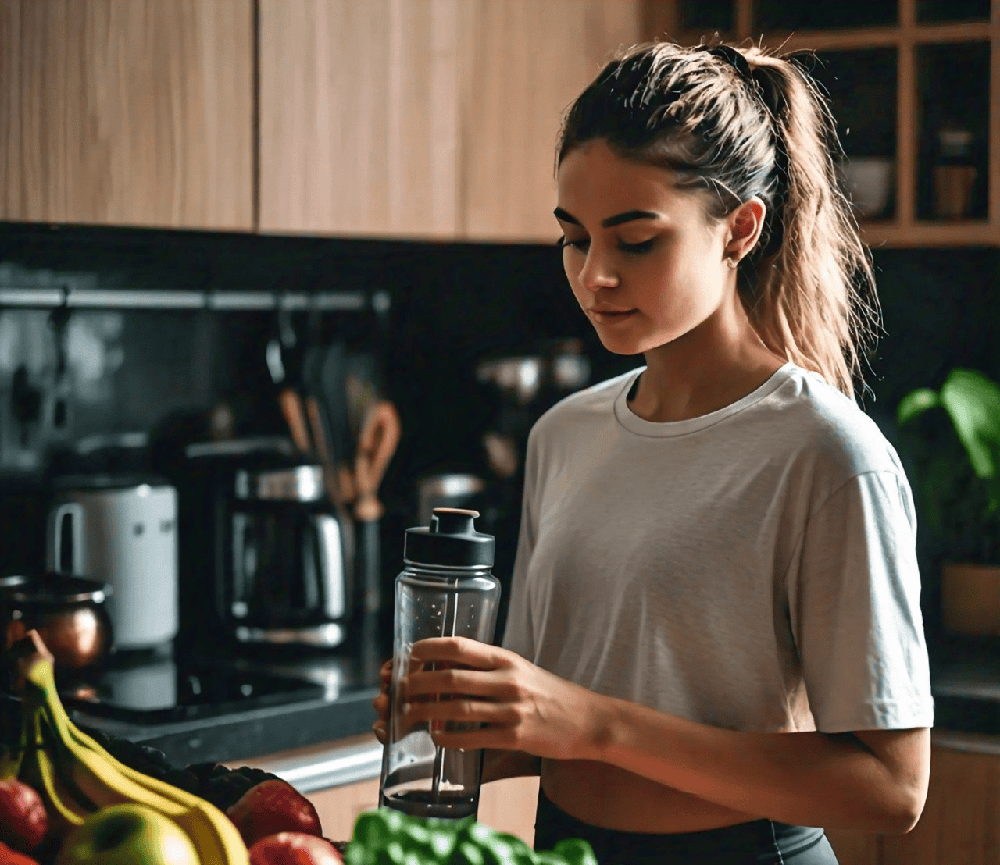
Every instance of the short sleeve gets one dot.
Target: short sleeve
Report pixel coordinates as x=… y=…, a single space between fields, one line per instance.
x=854 y=603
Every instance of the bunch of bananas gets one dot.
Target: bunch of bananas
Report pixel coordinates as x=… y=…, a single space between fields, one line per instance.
x=76 y=777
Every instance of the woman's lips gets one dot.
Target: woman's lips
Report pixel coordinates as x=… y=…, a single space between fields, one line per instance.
x=608 y=315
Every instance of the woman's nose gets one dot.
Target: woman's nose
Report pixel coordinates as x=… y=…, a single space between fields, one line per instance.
x=597 y=272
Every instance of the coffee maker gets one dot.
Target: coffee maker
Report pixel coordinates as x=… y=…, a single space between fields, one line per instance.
x=263 y=556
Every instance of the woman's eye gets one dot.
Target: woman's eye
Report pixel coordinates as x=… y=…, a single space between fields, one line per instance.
x=581 y=244
x=637 y=248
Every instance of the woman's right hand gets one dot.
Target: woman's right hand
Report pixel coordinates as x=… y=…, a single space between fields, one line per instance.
x=381 y=704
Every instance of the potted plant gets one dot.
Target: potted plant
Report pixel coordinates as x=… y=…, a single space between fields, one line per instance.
x=952 y=438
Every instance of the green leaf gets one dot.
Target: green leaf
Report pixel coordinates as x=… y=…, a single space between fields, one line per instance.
x=916 y=402
x=973 y=402
x=576 y=851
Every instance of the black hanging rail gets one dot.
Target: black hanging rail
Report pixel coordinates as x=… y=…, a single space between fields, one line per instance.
x=223 y=301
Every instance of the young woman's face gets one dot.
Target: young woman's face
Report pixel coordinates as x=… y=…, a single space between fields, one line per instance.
x=644 y=262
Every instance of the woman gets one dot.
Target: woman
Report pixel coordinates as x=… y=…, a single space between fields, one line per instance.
x=714 y=637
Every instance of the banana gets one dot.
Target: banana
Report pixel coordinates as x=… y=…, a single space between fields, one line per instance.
x=106 y=781
x=12 y=749
x=37 y=770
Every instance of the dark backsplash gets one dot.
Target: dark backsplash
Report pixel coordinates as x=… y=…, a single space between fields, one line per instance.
x=451 y=306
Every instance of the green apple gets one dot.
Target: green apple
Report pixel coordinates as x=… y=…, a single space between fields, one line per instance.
x=127 y=835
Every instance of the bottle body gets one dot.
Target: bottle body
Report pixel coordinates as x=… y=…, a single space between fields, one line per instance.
x=418 y=777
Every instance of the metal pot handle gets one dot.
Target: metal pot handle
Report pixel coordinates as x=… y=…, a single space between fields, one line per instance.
x=74 y=512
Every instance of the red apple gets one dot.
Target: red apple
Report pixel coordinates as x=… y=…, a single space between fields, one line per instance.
x=10 y=856
x=23 y=821
x=270 y=807
x=294 y=848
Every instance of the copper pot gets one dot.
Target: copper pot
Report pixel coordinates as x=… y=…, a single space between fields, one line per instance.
x=70 y=614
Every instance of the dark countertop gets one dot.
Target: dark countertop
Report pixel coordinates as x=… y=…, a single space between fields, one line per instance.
x=965 y=681
x=337 y=707
x=249 y=734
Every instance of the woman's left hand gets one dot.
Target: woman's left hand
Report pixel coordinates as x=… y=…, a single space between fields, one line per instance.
x=521 y=706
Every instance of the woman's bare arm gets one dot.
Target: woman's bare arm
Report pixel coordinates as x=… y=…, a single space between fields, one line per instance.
x=500 y=764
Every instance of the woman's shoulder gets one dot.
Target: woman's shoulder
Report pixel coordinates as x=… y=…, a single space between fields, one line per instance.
x=831 y=425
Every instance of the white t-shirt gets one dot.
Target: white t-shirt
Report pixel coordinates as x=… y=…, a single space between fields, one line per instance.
x=753 y=569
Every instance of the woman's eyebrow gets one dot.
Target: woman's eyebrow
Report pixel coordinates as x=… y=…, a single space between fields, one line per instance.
x=611 y=221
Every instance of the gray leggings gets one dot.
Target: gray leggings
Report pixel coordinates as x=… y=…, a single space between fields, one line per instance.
x=760 y=842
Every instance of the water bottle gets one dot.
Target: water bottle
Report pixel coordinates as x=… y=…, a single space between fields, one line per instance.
x=446 y=589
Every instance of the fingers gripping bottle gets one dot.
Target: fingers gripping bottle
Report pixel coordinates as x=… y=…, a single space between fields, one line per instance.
x=446 y=589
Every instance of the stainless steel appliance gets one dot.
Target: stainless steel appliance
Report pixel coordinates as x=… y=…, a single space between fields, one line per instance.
x=263 y=558
x=288 y=567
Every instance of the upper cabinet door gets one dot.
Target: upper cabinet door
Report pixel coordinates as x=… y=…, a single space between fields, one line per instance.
x=127 y=112
x=525 y=61
x=359 y=117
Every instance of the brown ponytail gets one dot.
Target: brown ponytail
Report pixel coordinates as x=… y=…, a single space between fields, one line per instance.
x=813 y=296
x=740 y=123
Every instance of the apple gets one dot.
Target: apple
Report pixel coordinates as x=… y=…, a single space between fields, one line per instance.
x=270 y=807
x=10 y=856
x=294 y=848
x=23 y=820
x=127 y=835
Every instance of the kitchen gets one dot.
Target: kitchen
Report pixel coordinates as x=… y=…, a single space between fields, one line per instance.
x=173 y=204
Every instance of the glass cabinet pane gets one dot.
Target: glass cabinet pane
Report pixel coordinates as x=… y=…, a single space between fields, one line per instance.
x=953 y=97
x=935 y=11
x=861 y=87
x=780 y=15
x=706 y=16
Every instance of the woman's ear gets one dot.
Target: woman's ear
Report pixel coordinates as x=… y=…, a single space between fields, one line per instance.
x=745 y=226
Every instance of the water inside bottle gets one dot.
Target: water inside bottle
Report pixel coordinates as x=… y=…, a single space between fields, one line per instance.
x=454 y=804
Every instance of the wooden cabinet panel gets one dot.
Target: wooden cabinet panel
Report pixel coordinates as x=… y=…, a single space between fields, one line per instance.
x=525 y=62
x=961 y=819
x=855 y=848
x=128 y=112
x=358 y=116
x=339 y=807
x=509 y=806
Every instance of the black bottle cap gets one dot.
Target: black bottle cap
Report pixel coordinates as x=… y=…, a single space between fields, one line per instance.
x=451 y=539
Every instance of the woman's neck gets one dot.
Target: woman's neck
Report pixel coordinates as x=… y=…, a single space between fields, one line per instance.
x=701 y=372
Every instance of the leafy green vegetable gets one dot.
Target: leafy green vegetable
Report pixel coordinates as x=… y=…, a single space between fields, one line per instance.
x=387 y=837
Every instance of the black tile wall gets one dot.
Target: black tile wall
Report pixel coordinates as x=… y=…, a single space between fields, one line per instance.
x=452 y=305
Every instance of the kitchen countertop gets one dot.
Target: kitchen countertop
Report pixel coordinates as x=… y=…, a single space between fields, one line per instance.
x=965 y=681
x=244 y=735
x=341 y=710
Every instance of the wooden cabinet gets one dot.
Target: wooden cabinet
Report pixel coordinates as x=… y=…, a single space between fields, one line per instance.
x=961 y=820
x=359 y=117
x=855 y=848
x=422 y=118
x=916 y=86
x=507 y=806
x=127 y=112
x=525 y=62
x=338 y=807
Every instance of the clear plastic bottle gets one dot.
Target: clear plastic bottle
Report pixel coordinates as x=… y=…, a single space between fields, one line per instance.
x=445 y=589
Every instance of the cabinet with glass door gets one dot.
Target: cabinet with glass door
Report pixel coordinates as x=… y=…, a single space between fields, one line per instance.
x=914 y=91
